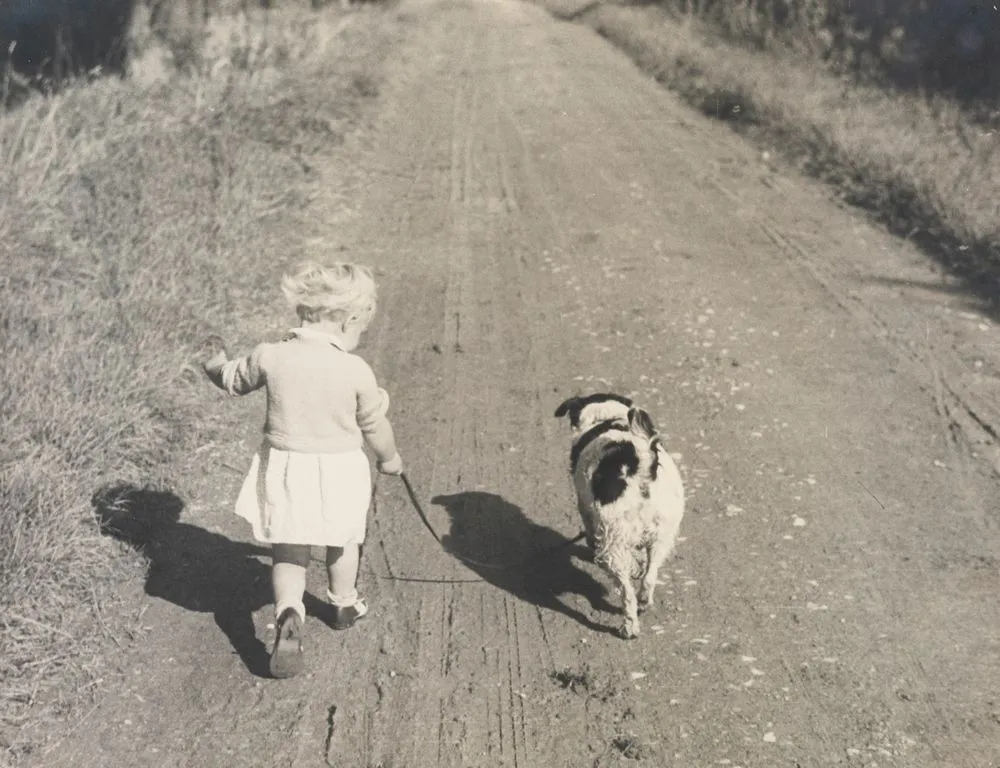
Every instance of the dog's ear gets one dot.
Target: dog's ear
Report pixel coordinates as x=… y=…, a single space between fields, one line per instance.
x=567 y=406
x=641 y=423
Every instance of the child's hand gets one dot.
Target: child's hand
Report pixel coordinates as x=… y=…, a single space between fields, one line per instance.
x=215 y=363
x=393 y=466
x=213 y=354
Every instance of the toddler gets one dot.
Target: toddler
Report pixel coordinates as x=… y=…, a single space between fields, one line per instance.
x=310 y=482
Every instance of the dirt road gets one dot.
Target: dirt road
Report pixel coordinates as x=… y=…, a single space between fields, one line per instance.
x=547 y=221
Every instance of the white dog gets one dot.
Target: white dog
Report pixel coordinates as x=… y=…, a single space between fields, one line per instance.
x=629 y=492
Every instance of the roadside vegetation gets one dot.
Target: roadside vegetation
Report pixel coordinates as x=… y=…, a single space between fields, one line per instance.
x=138 y=215
x=898 y=111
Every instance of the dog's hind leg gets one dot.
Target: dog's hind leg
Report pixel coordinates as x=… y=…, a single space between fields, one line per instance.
x=619 y=565
x=658 y=551
x=590 y=529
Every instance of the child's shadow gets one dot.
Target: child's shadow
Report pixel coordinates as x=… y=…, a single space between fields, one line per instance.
x=528 y=560
x=193 y=568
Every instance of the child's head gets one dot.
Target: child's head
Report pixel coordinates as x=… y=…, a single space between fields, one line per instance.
x=342 y=294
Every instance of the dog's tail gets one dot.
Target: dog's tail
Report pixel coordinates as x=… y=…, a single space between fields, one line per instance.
x=642 y=426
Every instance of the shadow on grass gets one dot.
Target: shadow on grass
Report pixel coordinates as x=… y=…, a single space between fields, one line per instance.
x=893 y=203
x=193 y=568
x=489 y=529
x=908 y=214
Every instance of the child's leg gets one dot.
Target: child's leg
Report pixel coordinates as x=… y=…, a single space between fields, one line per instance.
x=342 y=570
x=288 y=577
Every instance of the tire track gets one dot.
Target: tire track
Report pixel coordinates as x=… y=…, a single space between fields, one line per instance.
x=398 y=222
x=487 y=327
x=455 y=442
x=418 y=638
x=928 y=366
x=538 y=230
x=479 y=296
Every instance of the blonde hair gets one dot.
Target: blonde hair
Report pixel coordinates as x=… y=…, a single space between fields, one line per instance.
x=337 y=292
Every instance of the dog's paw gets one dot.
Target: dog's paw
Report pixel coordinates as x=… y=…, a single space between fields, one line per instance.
x=645 y=600
x=629 y=629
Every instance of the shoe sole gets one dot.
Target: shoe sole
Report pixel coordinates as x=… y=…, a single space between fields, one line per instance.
x=287 y=656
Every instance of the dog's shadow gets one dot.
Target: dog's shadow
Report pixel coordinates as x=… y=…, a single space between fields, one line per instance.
x=528 y=560
x=193 y=568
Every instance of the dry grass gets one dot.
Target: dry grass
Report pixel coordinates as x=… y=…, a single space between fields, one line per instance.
x=922 y=167
x=909 y=44
x=136 y=217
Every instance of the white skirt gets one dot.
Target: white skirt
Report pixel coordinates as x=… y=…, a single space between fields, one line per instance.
x=318 y=499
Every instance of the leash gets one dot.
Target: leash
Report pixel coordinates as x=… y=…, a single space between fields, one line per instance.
x=471 y=561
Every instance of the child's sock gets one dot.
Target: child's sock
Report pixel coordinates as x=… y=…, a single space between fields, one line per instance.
x=347 y=608
x=342 y=601
x=299 y=607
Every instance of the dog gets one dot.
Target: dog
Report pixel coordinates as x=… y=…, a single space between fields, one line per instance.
x=629 y=493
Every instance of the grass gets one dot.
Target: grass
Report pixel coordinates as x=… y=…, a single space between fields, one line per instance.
x=923 y=167
x=138 y=216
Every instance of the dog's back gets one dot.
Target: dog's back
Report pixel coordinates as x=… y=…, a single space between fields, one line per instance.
x=629 y=491
x=620 y=502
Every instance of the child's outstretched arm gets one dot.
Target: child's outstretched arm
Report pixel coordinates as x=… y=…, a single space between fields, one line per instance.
x=239 y=376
